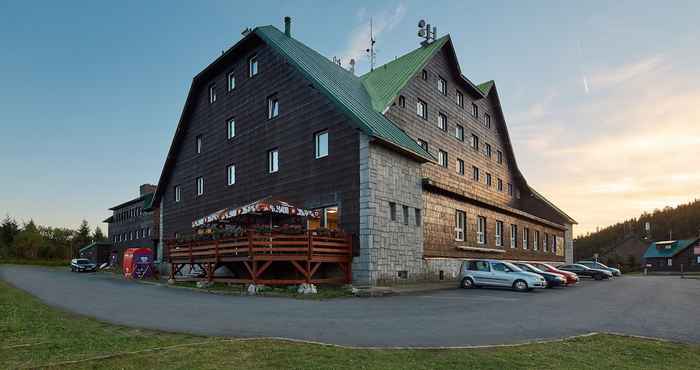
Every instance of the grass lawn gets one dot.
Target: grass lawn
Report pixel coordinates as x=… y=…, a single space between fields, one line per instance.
x=35 y=335
x=49 y=263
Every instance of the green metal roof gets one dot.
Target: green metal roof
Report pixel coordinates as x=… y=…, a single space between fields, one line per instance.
x=343 y=88
x=660 y=250
x=95 y=244
x=385 y=82
x=146 y=198
x=486 y=86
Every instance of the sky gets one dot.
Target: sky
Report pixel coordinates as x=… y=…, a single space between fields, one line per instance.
x=602 y=99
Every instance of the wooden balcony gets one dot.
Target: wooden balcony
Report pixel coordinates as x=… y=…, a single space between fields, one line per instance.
x=253 y=254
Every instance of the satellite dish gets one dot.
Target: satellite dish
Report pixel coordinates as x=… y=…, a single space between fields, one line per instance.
x=421 y=23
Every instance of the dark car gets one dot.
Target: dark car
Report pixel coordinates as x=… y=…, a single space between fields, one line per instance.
x=82 y=265
x=551 y=278
x=582 y=270
x=571 y=278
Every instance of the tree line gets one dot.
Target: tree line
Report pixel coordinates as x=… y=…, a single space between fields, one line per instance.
x=32 y=241
x=681 y=222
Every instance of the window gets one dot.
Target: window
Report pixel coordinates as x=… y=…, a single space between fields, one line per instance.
x=536 y=241
x=475 y=110
x=554 y=244
x=499 y=233
x=418 y=217
x=517 y=193
x=442 y=158
x=424 y=75
x=487 y=120
x=475 y=173
x=423 y=144
x=499 y=157
x=513 y=236
x=198 y=146
x=231 y=81
x=405 y=215
x=328 y=219
x=460 y=166
x=442 y=122
x=253 y=66
x=212 y=93
x=231 y=174
x=392 y=211
x=669 y=262
x=273 y=160
x=178 y=193
x=321 y=144
x=500 y=185
x=402 y=101
x=422 y=109
x=460 y=99
x=510 y=189
x=460 y=224
x=459 y=132
x=131 y=235
x=442 y=86
x=231 y=128
x=488 y=179
x=487 y=150
x=481 y=230
x=273 y=106
x=475 y=142
x=148 y=231
x=526 y=237
x=200 y=186
x=545 y=242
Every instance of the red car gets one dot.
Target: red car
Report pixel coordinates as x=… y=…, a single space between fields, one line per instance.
x=571 y=278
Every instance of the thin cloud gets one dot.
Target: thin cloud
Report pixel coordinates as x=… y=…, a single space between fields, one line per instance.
x=615 y=76
x=358 y=39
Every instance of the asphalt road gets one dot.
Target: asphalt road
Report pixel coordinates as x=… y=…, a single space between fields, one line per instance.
x=663 y=307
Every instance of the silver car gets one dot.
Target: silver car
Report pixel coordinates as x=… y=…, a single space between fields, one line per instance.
x=475 y=273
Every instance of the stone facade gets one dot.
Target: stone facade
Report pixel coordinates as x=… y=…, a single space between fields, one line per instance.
x=391 y=237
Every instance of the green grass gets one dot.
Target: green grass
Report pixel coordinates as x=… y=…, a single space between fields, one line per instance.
x=35 y=335
x=51 y=263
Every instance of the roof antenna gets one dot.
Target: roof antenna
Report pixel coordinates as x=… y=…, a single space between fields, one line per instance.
x=425 y=32
x=370 y=50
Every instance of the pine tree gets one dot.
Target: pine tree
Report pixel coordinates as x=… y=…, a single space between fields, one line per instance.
x=83 y=237
x=8 y=232
x=98 y=236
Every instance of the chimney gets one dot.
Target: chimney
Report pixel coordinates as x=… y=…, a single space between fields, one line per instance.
x=146 y=189
x=288 y=26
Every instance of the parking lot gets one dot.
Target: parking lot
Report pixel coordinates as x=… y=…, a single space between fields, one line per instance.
x=663 y=307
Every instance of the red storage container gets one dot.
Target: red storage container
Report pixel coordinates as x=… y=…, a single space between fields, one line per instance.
x=138 y=263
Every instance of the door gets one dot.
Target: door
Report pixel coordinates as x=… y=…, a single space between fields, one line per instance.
x=482 y=273
x=501 y=274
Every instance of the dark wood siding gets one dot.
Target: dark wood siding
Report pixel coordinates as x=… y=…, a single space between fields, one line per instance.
x=301 y=179
x=439 y=218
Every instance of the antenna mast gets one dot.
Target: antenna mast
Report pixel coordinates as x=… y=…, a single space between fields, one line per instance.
x=370 y=50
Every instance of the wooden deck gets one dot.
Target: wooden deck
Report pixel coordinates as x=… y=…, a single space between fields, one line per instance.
x=257 y=252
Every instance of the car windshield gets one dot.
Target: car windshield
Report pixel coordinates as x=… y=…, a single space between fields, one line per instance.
x=533 y=267
x=82 y=262
x=513 y=267
x=581 y=266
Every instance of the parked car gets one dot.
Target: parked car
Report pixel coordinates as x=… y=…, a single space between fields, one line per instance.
x=495 y=273
x=571 y=278
x=582 y=270
x=552 y=279
x=82 y=265
x=600 y=266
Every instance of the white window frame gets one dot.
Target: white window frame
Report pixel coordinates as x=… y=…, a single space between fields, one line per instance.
x=273 y=164
x=231 y=81
x=230 y=129
x=669 y=262
x=460 y=167
x=459 y=132
x=231 y=174
x=460 y=99
x=513 y=235
x=481 y=230
x=319 y=138
x=526 y=237
x=474 y=143
x=475 y=110
x=212 y=93
x=442 y=121
x=460 y=225
x=499 y=233
x=545 y=243
x=178 y=193
x=536 y=240
x=487 y=149
x=442 y=158
x=253 y=66
x=475 y=174
x=273 y=106
x=422 y=109
x=200 y=186
x=442 y=85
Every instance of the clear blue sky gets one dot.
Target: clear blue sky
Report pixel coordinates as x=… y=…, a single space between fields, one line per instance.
x=90 y=92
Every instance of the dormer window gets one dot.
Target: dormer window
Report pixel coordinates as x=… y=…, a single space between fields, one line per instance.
x=402 y=101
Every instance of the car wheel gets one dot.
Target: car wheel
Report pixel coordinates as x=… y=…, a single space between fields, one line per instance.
x=598 y=277
x=467 y=283
x=520 y=286
x=72 y=269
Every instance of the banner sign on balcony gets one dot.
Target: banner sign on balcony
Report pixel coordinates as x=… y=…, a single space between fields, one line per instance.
x=263 y=206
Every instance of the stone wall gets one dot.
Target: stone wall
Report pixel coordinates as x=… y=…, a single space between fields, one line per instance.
x=569 y=243
x=390 y=250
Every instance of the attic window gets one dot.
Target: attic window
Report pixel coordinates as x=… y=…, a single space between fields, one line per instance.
x=424 y=75
x=212 y=93
x=231 y=81
x=475 y=110
x=402 y=101
x=487 y=120
x=442 y=86
x=460 y=99
x=499 y=156
x=253 y=66
x=422 y=109
x=273 y=106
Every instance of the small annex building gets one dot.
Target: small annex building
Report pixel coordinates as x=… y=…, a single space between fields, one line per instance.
x=673 y=255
